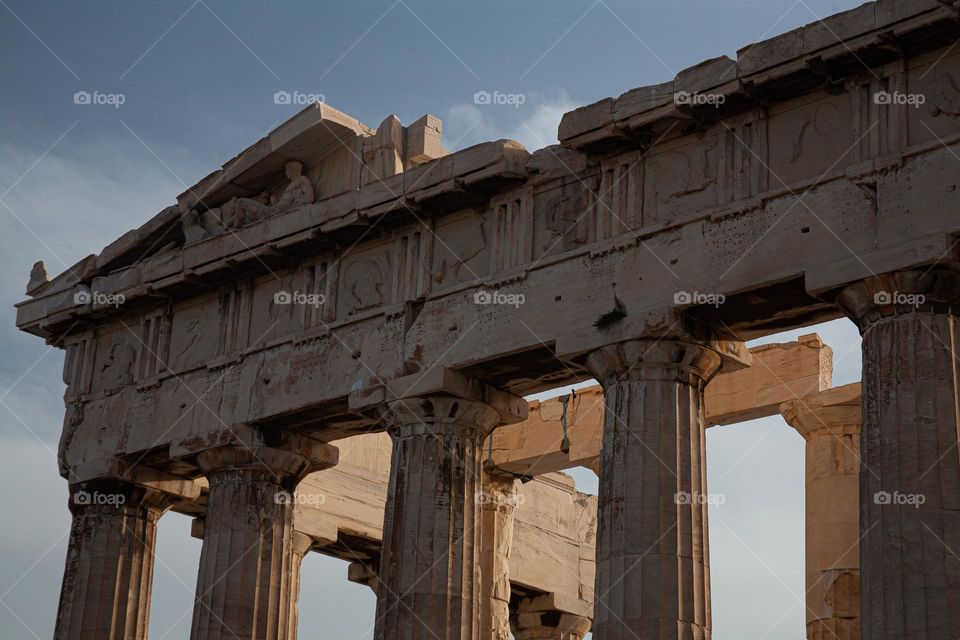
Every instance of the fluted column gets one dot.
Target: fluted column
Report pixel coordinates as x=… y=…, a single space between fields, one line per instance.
x=653 y=569
x=302 y=544
x=538 y=619
x=910 y=464
x=109 y=568
x=498 y=502
x=829 y=421
x=245 y=587
x=428 y=566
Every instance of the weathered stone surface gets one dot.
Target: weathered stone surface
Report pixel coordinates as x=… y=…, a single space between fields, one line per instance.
x=829 y=421
x=653 y=573
x=429 y=563
x=246 y=586
x=323 y=275
x=109 y=568
x=910 y=471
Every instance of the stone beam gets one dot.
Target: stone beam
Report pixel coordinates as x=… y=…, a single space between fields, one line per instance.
x=780 y=372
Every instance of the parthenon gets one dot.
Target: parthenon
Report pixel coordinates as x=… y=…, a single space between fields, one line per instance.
x=327 y=346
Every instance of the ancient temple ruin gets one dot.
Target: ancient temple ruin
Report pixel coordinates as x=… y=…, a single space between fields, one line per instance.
x=325 y=345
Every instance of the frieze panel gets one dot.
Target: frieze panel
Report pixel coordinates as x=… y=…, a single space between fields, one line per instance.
x=812 y=138
x=114 y=361
x=937 y=84
x=194 y=334
x=366 y=279
x=564 y=215
x=681 y=179
x=461 y=249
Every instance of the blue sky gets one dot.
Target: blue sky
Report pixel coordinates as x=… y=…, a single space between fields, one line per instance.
x=198 y=80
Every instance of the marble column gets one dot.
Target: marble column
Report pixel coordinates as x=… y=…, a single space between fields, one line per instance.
x=244 y=587
x=538 y=618
x=653 y=568
x=109 y=568
x=428 y=567
x=302 y=544
x=829 y=422
x=497 y=507
x=910 y=463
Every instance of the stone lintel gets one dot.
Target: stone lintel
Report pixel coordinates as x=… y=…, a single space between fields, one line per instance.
x=932 y=249
x=443 y=381
x=835 y=411
x=657 y=324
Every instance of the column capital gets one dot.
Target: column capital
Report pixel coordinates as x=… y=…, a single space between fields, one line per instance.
x=439 y=414
x=653 y=359
x=441 y=381
x=866 y=301
x=832 y=412
x=106 y=496
x=278 y=453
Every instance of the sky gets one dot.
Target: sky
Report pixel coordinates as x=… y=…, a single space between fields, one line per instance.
x=179 y=87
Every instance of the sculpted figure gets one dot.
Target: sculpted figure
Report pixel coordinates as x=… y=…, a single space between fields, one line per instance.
x=38 y=277
x=193 y=229
x=238 y=212
x=298 y=193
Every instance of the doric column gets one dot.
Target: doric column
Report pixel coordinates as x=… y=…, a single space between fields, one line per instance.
x=428 y=566
x=910 y=463
x=245 y=588
x=109 y=568
x=829 y=421
x=498 y=501
x=302 y=544
x=540 y=618
x=653 y=569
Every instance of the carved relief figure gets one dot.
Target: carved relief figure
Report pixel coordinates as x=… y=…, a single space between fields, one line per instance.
x=238 y=212
x=823 y=122
x=117 y=369
x=365 y=286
